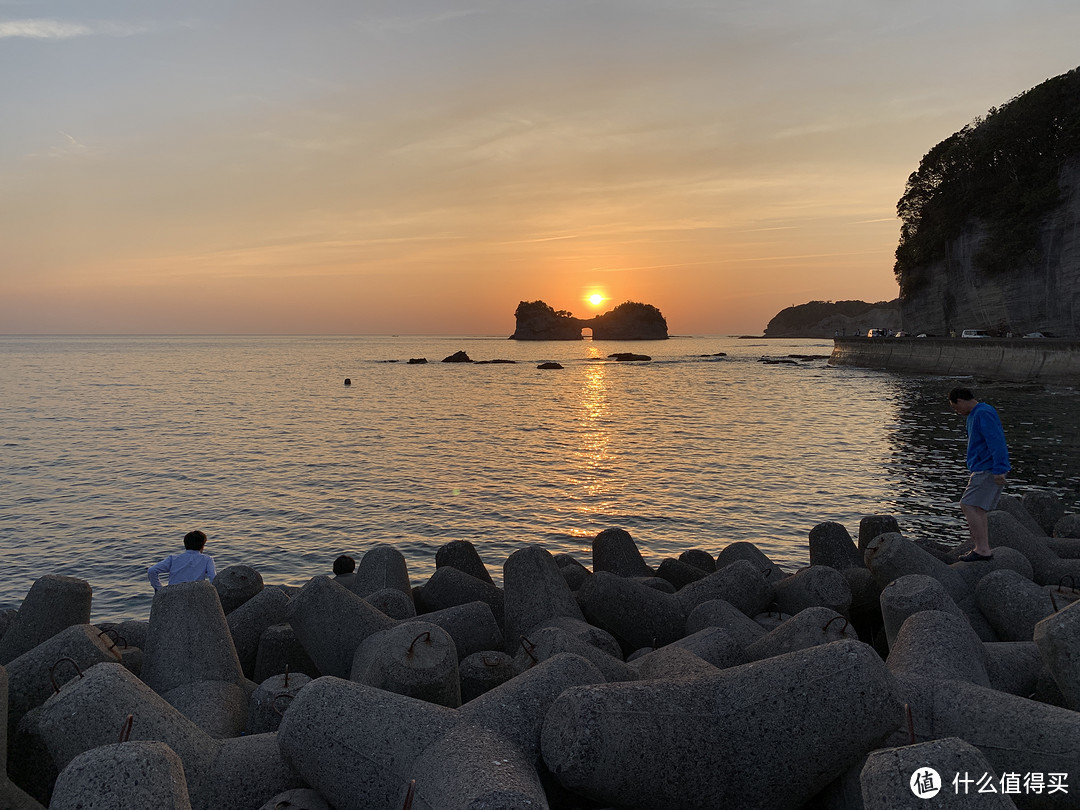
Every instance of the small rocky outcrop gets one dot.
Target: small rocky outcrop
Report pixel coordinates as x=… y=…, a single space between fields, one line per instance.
x=826 y=319
x=458 y=357
x=535 y=320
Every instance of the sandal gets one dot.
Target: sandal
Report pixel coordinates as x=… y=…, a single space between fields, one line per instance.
x=974 y=556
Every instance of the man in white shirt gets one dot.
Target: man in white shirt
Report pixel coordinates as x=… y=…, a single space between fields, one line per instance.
x=190 y=566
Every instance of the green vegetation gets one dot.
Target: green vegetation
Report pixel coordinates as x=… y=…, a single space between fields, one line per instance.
x=1000 y=172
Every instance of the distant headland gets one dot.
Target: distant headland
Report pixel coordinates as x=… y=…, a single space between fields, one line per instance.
x=535 y=320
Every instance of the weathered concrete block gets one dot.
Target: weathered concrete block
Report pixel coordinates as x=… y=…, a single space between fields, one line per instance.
x=1068 y=526
x=699 y=558
x=815 y=586
x=831 y=545
x=450 y=586
x=888 y=773
x=237 y=584
x=188 y=640
x=267 y=704
x=34 y=674
x=614 y=551
x=123 y=776
x=910 y=594
x=936 y=644
x=517 y=709
x=11 y=796
x=472 y=627
x=873 y=526
x=1015 y=734
x=246 y=772
x=1012 y=604
x=741 y=584
x=637 y=616
x=360 y=765
x=701 y=743
x=546 y=642
x=382 y=566
x=1013 y=666
x=217 y=707
x=462 y=555
x=483 y=671
x=1068 y=548
x=393 y=603
x=679 y=573
x=280 y=651
x=810 y=627
x=102 y=700
x=330 y=622
x=1046 y=507
x=1015 y=507
x=534 y=591
x=723 y=614
x=472 y=768
x=413 y=658
x=249 y=620
x=671 y=663
x=1047 y=567
x=572 y=571
x=1058 y=638
x=52 y=604
x=589 y=633
x=748 y=552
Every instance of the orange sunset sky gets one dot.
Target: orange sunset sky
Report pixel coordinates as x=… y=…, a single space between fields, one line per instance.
x=420 y=167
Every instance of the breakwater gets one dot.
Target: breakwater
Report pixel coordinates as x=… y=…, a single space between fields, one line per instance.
x=1013 y=359
x=620 y=686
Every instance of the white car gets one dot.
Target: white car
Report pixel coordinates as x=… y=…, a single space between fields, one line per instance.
x=974 y=333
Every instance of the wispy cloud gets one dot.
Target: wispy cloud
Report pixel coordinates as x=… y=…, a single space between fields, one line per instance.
x=62 y=29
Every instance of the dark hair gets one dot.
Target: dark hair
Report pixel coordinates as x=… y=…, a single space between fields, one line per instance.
x=195 y=540
x=960 y=393
x=344 y=565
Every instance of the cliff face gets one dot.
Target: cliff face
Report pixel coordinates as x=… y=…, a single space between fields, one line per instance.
x=824 y=319
x=1045 y=297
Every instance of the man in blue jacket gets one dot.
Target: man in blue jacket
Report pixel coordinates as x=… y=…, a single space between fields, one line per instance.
x=988 y=461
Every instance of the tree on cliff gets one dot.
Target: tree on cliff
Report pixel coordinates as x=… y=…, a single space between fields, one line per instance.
x=999 y=172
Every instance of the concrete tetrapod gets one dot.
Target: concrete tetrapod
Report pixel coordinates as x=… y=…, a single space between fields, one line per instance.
x=805 y=717
x=356 y=744
x=52 y=603
x=123 y=776
x=533 y=591
x=723 y=614
x=635 y=614
x=382 y=566
x=11 y=795
x=815 y=586
x=462 y=555
x=1012 y=604
x=936 y=644
x=614 y=551
x=741 y=584
x=1016 y=735
x=251 y=619
x=1058 y=639
x=910 y=594
x=413 y=658
x=331 y=621
x=900 y=778
x=831 y=545
x=808 y=628
x=188 y=639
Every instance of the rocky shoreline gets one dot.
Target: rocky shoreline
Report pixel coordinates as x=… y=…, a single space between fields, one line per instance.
x=715 y=680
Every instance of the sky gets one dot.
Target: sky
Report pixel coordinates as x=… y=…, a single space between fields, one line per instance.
x=417 y=167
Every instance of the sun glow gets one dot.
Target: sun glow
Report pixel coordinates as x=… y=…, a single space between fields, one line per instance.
x=596 y=299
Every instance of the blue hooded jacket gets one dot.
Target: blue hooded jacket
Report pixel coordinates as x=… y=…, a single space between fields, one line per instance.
x=986 y=448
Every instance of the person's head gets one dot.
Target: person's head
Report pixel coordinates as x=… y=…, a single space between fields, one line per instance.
x=961 y=400
x=344 y=565
x=194 y=540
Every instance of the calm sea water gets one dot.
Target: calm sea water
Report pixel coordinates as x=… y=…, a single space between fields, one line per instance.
x=113 y=448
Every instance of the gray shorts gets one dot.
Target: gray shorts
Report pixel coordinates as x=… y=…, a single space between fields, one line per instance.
x=982 y=491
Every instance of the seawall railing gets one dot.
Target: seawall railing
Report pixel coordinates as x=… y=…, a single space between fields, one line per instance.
x=1015 y=359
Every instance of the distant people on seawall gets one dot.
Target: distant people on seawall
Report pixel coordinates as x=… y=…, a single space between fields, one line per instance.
x=189 y=566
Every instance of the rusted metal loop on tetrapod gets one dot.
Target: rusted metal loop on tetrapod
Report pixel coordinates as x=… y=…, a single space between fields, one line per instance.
x=426 y=641
x=488 y=662
x=765 y=572
x=277 y=697
x=409 y=795
x=843 y=629
x=52 y=670
x=125 y=729
x=286 y=676
x=1072 y=583
x=114 y=637
x=528 y=647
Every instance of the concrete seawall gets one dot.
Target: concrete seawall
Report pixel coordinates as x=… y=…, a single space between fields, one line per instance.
x=1015 y=359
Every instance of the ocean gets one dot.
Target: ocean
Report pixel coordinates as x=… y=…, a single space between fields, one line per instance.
x=114 y=447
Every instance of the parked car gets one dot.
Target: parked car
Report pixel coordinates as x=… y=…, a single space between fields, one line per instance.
x=876 y=333
x=974 y=333
x=1034 y=335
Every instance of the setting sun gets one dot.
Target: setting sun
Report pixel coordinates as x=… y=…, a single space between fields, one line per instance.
x=596 y=299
